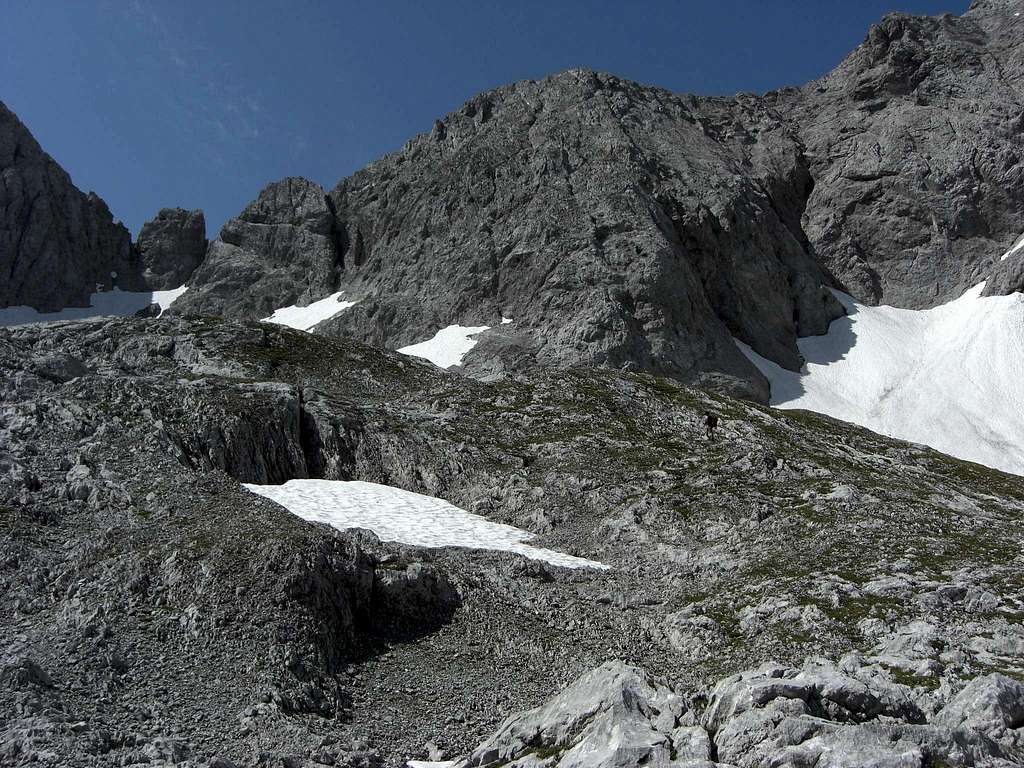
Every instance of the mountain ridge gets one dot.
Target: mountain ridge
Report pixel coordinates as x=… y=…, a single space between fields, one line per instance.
x=45 y=220
x=652 y=226
x=910 y=229
x=486 y=262
x=915 y=145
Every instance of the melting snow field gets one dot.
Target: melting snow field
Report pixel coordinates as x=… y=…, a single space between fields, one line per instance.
x=405 y=517
x=304 y=318
x=445 y=349
x=448 y=346
x=951 y=377
x=114 y=303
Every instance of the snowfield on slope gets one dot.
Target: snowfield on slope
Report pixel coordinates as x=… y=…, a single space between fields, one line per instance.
x=1013 y=248
x=304 y=318
x=951 y=377
x=447 y=347
x=113 y=303
x=405 y=517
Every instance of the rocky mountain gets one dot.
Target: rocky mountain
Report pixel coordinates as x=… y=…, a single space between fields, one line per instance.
x=616 y=224
x=623 y=225
x=171 y=246
x=57 y=244
x=785 y=589
x=626 y=226
x=156 y=611
x=281 y=250
x=916 y=148
x=505 y=211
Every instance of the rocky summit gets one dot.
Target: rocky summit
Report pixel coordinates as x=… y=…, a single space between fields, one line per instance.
x=57 y=245
x=508 y=492
x=623 y=225
x=915 y=146
x=171 y=246
x=616 y=224
x=60 y=246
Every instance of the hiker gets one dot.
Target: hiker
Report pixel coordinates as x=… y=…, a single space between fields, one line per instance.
x=710 y=422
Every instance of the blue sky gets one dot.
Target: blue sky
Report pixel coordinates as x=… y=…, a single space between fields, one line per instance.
x=199 y=104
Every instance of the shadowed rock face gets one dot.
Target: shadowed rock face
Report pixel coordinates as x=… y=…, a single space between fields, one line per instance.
x=1007 y=276
x=171 y=246
x=279 y=251
x=916 y=149
x=57 y=244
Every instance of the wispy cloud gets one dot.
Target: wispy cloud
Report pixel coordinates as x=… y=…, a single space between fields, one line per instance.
x=221 y=112
x=145 y=14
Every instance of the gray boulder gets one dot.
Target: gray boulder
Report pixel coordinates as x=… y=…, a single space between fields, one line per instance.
x=57 y=244
x=821 y=715
x=171 y=246
x=825 y=716
x=59 y=367
x=614 y=716
x=746 y=691
x=992 y=704
x=810 y=742
x=24 y=672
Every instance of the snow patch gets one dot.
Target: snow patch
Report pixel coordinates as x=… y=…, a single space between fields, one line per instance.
x=304 y=318
x=430 y=764
x=405 y=517
x=506 y=320
x=1016 y=247
x=448 y=346
x=112 y=303
x=951 y=377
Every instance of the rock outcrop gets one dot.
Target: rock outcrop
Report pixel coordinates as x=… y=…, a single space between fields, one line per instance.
x=916 y=148
x=57 y=244
x=611 y=717
x=617 y=716
x=1007 y=276
x=993 y=704
x=281 y=250
x=171 y=246
x=852 y=715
